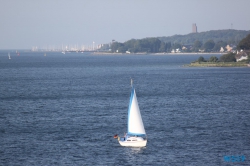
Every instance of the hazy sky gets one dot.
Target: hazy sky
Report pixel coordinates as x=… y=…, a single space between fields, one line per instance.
x=28 y=23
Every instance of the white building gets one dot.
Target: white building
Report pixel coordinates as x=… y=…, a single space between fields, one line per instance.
x=222 y=49
x=241 y=56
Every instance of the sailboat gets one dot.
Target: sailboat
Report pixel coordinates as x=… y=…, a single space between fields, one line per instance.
x=9 y=55
x=136 y=135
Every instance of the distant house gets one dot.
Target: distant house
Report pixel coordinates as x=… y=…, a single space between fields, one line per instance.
x=186 y=47
x=230 y=48
x=222 y=49
x=176 y=50
x=241 y=56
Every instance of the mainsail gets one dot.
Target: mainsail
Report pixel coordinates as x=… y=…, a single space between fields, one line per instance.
x=135 y=124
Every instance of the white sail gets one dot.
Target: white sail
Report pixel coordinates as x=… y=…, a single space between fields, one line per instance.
x=135 y=124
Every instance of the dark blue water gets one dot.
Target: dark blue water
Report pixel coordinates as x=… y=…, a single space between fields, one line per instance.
x=65 y=109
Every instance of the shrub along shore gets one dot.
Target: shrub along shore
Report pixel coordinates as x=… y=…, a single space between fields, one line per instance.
x=226 y=60
x=218 y=64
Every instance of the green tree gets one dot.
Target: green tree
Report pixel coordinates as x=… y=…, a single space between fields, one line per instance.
x=122 y=49
x=218 y=45
x=162 y=47
x=244 y=43
x=213 y=59
x=143 y=45
x=168 y=46
x=230 y=57
x=130 y=43
x=209 y=45
x=115 y=46
x=201 y=59
x=197 y=44
x=154 y=44
x=176 y=46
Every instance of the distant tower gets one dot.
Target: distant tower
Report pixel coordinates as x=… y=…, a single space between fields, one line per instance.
x=194 y=28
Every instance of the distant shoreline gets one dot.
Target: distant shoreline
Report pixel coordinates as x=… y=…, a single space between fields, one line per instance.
x=109 y=53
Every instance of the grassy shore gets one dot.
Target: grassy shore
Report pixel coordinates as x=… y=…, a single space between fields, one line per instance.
x=218 y=64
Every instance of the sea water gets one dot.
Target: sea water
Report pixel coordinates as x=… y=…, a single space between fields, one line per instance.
x=65 y=109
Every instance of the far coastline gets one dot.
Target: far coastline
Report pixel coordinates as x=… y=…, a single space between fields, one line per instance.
x=191 y=53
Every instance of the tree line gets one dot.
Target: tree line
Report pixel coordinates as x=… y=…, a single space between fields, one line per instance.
x=229 y=36
x=230 y=57
x=154 y=45
x=186 y=43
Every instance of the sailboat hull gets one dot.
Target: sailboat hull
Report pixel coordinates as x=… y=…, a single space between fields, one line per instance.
x=134 y=142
